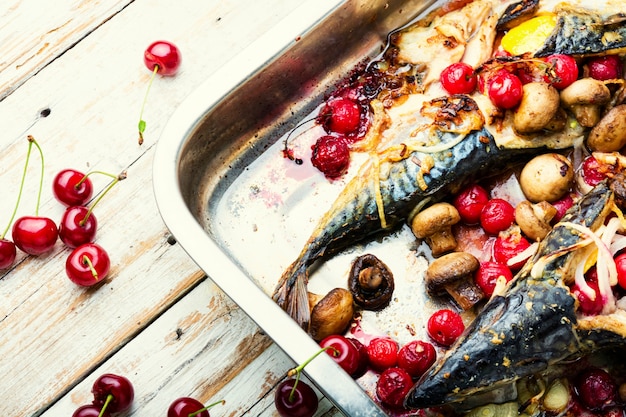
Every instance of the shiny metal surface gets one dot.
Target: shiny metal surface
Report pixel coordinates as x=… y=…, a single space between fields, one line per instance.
x=232 y=118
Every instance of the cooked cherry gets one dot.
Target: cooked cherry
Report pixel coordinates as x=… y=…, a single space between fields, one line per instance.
x=488 y=273
x=606 y=67
x=592 y=171
x=496 y=216
x=340 y=115
x=445 y=326
x=458 y=78
x=563 y=70
x=416 y=357
x=331 y=155
x=363 y=358
x=588 y=304
x=508 y=246
x=392 y=386
x=596 y=388
x=562 y=205
x=470 y=202
x=382 y=353
x=505 y=90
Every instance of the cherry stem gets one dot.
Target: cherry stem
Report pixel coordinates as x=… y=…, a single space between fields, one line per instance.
x=106 y=404
x=286 y=150
x=19 y=194
x=116 y=179
x=82 y=180
x=298 y=370
x=142 y=123
x=88 y=262
x=195 y=413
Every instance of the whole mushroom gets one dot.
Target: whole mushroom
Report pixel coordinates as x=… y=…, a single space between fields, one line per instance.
x=370 y=282
x=585 y=98
x=434 y=224
x=453 y=274
x=546 y=177
x=539 y=106
x=330 y=313
x=609 y=135
x=534 y=219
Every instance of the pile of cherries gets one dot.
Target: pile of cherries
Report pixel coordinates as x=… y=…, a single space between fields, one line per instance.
x=114 y=394
x=398 y=367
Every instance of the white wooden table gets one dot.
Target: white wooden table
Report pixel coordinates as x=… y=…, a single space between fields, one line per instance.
x=157 y=320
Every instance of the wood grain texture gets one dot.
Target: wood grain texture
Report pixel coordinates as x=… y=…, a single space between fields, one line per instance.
x=156 y=319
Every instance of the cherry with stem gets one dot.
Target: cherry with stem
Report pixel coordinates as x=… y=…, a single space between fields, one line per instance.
x=114 y=393
x=190 y=407
x=87 y=265
x=161 y=57
x=295 y=398
x=78 y=224
x=34 y=235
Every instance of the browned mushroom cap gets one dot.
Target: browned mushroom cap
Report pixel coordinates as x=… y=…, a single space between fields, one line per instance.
x=371 y=282
x=330 y=314
x=534 y=219
x=435 y=225
x=453 y=274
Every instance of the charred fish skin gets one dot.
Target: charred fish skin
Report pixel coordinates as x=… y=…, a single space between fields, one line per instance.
x=401 y=182
x=579 y=33
x=516 y=13
x=520 y=333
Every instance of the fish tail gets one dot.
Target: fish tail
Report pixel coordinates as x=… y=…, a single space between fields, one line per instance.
x=292 y=296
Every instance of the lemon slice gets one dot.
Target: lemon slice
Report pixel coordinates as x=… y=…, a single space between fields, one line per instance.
x=530 y=35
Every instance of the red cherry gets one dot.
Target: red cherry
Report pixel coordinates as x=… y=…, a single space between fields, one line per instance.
x=90 y=410
x=115 y=392
x=34 y=235
x=72 y=188
x=7 y=253
x=363 y=358
x=87 y=265
x=470 y=202
x=620 y=264
x=186 y=406
x=606 y=67
x=416 y=357
x=488 y=273
x=299 y=402
x=78 y=226
x=162 y=56
x=561 y=206
x=445 y=326
x=392 y=386
x=496 y=216
x=586 y=305
x=340 y=115
x=382 y=353
x=592 y=171
x=458 y=78
x=343 y=352
x=505 y=90
x=596 y=388
x=507 y=246
x=331 y=155
x=563 y=70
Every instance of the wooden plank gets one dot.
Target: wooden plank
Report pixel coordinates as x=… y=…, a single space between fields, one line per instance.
x=54 y=333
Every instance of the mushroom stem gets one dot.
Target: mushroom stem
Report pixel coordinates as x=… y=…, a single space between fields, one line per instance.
x=453 y=274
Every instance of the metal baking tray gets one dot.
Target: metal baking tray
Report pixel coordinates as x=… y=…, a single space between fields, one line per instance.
x=242 y=211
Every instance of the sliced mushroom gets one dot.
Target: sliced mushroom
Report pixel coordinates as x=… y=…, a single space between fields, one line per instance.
x=434 y=224
x=534 y=219
x=546 y=177
x=370 y=282
x=609 y=135
x=585 y=98
x=330 y=313
x=538 y=107
x=453 y=274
